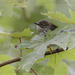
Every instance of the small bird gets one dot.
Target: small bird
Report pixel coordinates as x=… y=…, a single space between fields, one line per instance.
x=43 y=26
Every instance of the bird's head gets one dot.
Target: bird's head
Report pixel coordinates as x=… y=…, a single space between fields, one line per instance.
x=44 y=24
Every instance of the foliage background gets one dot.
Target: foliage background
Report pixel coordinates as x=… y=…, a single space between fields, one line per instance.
x=17 y=15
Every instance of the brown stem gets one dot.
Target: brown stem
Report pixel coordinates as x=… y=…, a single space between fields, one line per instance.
x=50 y=49
x=54 y=51
x=33 y=71
x=19 y=59
x=20 y=50
x=9 y=61
x=20 y=40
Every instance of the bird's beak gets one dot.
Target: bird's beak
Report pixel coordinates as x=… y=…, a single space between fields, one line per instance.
x=36 y=23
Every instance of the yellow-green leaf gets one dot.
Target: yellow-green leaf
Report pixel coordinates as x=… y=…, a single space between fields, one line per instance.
x=26 y=32
x=7 y=69
x=61 y=17
x=55 y=61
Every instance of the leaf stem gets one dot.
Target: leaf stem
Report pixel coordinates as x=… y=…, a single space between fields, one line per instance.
x=9 y=61
x=20 y=50
x=33 y=71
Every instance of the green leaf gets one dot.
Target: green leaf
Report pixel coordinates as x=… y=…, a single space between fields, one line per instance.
x=35 y=41
x=8 y=69
x=52 y=37
x=72 y=42
x=39 y=44
x=71 y=66
x=57 y=65
x=4 y=58
x=61 y=17
x=59 y=40
x=26 y=32
x=39 y=51
x=29 y=59
x=48 y=70
x=38 y=67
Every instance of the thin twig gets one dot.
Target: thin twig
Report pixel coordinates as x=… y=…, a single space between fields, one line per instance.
x=9 y=61
x=34 y=71
x=54 y=51
x=19 y=59
x=20 y=50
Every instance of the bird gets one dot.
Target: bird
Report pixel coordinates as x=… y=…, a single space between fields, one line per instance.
x=43 y=26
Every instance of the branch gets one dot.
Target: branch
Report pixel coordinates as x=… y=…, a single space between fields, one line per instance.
x=19 y=59
x=20 y=50
x=55 y=51
x=10 y=61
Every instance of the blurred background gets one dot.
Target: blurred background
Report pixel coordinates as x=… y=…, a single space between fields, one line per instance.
x=20 y=14
x=16 y=15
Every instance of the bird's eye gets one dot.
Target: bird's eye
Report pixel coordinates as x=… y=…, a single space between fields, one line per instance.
x=42 y=24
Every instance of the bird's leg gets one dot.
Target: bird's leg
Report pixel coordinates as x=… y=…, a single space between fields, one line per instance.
x=50 y=49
